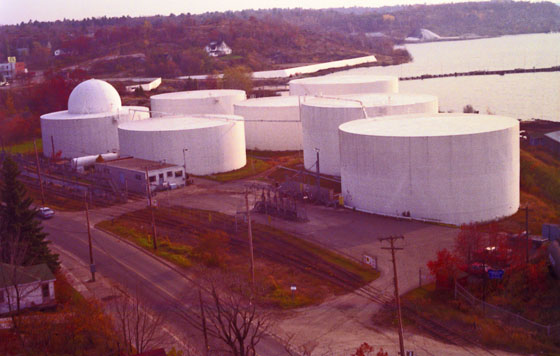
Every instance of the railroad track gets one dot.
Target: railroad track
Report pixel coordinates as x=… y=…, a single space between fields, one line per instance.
x=345 y=280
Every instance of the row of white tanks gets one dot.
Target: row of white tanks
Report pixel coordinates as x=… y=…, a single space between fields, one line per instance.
x=453 y=169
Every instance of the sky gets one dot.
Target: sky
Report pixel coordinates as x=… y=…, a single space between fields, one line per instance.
x=17 y=11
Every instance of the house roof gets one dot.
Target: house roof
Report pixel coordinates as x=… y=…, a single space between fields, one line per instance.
x=11 y=274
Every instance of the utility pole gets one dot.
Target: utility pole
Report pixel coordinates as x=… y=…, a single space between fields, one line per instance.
x=391 y=240
x=151 y=209
x=52 y=148
x=203 y=317
x=91 y=264
x=250 y=230
x=527 y=233
x=318 y=171
x=39 y=173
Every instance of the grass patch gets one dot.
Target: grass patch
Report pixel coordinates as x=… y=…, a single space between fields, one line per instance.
x=196 y=237
x=26 y=147
x=440 y=306
x=253 y=167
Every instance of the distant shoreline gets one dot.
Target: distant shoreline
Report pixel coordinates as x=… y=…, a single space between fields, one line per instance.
x=483 y=72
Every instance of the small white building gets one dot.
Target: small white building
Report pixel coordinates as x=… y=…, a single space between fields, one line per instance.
x=32 y=285
x=217 y=49
x=130 y=174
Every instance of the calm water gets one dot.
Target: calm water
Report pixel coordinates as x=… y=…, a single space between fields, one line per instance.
x=523 y=96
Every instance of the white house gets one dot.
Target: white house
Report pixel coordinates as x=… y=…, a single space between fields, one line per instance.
x=215 y=49
x=32 y=285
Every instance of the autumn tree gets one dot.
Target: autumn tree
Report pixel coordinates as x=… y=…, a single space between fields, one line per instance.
x=367 y=350
x=239 y=77
x=445 y=268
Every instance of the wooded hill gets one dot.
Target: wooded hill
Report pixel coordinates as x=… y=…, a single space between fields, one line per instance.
x=481 y=18
x=174 y=45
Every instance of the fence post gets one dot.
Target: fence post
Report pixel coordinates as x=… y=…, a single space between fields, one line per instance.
x=548 y=330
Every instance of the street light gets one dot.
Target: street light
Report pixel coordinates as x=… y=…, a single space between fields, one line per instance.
x=487 y=250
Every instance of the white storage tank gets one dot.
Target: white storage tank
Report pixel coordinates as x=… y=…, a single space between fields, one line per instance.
x=449 y=168
x=321 y=118
x=218 y=101
x=206 y=144
x=89 y=126
x=272 y=123
x=344 y=84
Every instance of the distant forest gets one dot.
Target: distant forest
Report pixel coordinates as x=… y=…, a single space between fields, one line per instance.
x=260 y=39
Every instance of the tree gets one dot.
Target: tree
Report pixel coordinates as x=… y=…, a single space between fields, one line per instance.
x=138 y=327
x=238 y=78
x=229 y=315
x=19 y=219
x=445 y=268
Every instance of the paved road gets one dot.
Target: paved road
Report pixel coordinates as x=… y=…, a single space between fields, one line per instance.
x=162 y=286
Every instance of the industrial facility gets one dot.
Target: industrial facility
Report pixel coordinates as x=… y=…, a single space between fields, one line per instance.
x=449 y=168
x=344 y=84
x=129 y=174
x=272 y=124
x=321 y=118
x=219 y=101
x=89 y=126
x=204 y=144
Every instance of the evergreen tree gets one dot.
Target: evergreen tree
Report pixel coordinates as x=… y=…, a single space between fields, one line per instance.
x=19 y=222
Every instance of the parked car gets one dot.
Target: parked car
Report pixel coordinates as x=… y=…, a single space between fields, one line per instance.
x=46 y=213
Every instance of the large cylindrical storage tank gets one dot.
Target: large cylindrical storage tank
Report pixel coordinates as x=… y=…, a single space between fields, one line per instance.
x=344 y=84
x=271 y=124
x=206 y=144
x=449 y=168
x=89 y=126
x=219 y=101
x=321 y=118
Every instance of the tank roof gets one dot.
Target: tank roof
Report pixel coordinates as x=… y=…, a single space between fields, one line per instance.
x=179 y=123
x=94 y=96
x=367 y=100
x=428 y=125
x=343 y=79
x=198 y=94
x=272 y=101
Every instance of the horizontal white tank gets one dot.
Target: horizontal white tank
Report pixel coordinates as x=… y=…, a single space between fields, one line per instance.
x=321 y=118
x=85 y=161
x=449 y=168
x=219 y=101
x=76 y=135
x=344 y=84
x=208 y=144
x=271 y=124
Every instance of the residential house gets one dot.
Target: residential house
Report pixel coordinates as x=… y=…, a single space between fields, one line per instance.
x=32 y=285
x=217 y=49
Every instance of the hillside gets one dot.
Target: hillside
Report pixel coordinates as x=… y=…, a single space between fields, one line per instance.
x=481 y=18
x=174 y=45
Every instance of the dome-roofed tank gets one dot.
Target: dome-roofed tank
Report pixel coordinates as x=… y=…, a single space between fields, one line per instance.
x=89 y=126
x=93 y=96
